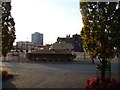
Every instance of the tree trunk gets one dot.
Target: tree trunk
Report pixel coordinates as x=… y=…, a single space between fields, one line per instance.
x=103 y=72
x=4 y=58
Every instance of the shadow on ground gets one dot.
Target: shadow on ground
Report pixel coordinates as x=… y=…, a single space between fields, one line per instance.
x=7 y=83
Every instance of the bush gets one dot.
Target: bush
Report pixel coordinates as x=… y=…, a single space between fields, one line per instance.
x=96 y=83
x=5 y=74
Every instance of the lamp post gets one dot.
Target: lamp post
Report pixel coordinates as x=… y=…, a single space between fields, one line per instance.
x=27 y=45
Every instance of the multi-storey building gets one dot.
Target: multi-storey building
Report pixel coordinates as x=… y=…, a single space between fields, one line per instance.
x=22 y=44
x=37 y=38
x=75 y=40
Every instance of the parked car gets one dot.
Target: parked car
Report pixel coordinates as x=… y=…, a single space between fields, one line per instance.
x=15 y=53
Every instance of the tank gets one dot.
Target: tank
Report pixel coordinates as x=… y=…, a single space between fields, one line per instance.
x=59 y=51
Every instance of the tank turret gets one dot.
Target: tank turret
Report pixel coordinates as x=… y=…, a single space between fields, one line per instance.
x=61 y=46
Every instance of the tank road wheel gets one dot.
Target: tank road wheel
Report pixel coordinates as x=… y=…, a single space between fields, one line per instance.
x=71 y=58
x=39 y=58
x=44 y=58
x=32 y=58
x=35 y=58
x=61 y=58
x=28 y=56
x=65 y=58
x=51 y=58
x=58 y=58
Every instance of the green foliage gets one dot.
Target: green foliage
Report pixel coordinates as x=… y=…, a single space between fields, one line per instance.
x=8 y=30
x=101 y=31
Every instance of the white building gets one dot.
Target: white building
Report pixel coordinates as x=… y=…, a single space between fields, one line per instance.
x=22 y=44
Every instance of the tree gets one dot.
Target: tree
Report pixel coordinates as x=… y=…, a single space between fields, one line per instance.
x=8 y=29
x=101 y=27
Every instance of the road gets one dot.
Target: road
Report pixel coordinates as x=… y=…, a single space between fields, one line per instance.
x=51 y=75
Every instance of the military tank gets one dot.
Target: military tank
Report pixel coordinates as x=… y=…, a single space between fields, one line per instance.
x=59 y=51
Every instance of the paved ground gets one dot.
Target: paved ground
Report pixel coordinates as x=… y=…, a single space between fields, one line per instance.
x=51 y=75
x=48 y=75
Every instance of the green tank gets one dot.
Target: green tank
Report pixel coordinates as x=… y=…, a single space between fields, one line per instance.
x=59 y=51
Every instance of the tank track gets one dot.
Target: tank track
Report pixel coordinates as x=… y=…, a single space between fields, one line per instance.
x=50 y=57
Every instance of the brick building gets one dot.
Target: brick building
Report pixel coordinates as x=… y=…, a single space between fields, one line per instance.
x=75 y=40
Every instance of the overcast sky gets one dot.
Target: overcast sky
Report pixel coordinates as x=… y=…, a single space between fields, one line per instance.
x=53 y=18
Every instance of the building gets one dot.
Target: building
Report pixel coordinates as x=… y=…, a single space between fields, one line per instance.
x=37 y=38
x=22 y=44
x=75 y=40
x=66 y=39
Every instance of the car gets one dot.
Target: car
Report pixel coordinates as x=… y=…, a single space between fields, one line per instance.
x=15 y=53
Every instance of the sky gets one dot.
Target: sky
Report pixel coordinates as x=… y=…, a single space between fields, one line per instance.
x=52 y=18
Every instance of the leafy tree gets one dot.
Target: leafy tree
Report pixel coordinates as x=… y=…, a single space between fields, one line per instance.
x=101 y=31
x=8 y=29
x=116 y=31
